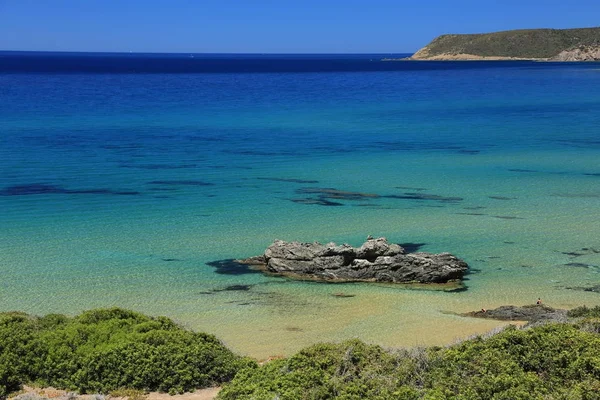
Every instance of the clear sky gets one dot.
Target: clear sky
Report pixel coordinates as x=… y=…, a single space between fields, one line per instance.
x=270 y=26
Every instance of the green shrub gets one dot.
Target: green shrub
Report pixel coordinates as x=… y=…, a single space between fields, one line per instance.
x=350 y=370
x=518 y=364
x=584 y=312
x=129 y=394
x=108 y=349
x=556 y=361
x=17 y=350
x=114 y=349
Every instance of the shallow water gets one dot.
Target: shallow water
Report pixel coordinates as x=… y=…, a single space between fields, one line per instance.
x=118 y=189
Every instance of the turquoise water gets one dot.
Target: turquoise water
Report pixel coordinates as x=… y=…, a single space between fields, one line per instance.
x=118 y=189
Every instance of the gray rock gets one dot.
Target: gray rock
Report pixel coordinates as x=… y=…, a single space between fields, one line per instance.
x=530 y=313
x=375 y=261
x=374 y=248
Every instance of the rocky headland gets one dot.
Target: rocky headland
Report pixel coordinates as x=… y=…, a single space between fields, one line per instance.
x=581 y=44
x=376 y=260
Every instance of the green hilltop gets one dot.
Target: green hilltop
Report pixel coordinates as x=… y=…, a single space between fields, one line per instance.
x=520 y=44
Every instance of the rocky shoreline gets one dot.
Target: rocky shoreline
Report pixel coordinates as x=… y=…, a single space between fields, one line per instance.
x=578 y=54
x=424 y=56
x=376 y=260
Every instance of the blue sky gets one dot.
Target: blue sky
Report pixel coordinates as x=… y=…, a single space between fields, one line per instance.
x=270 y=26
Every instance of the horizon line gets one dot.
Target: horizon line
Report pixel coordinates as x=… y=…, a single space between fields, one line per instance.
x=207 y=53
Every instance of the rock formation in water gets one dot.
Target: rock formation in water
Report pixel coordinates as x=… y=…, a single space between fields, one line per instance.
x=375 y=261
x=530 y=313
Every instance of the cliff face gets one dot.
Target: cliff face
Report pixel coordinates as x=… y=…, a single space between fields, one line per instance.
x=531 y=44
x=583 y=53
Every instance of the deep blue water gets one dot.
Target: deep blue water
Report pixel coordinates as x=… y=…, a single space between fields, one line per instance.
x=123 y=175
x=48 y=62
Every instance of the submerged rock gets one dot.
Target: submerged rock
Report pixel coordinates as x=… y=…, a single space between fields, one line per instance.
x=530 y=313
x=593 y=288
x=375 y=261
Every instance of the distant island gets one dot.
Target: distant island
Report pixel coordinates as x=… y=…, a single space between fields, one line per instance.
x=525 y=44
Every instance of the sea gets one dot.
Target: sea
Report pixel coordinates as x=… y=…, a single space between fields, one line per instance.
x=132 y=180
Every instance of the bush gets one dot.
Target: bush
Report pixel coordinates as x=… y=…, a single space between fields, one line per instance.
x=129 y=394
x=17 y=349
x=515 y=364
x=584 y=312
x=113 y=349
x=108 y=349
x=556 y=361
x=350 y=370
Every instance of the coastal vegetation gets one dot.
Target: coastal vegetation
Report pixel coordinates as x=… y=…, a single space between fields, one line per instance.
x=553 y=361
x=120 y=351
x=518 y=44
x=108 y=349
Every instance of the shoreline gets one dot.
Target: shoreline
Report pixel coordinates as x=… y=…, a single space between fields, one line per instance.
x=467 y=57
x=538 y=318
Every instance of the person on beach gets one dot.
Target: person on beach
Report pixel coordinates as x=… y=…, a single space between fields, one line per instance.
x=539 y=301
